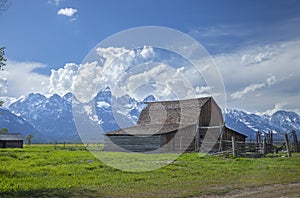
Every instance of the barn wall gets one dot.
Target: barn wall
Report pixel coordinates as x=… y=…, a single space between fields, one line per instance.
x=209 y=139
x=14 y=144
x=11 y=144
x=205 y=114
x=211 y=114
x=184 y=139
x=2 y=144
x=167 y=142
x=216 y=118
x=125 y=143
x=230 y=133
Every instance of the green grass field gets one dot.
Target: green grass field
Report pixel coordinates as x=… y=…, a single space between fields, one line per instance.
x=46 y=171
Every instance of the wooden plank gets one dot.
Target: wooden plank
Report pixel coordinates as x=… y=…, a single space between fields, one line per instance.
x=234 y=151
x=264 y=150
x=295 y=141
x=287 y=145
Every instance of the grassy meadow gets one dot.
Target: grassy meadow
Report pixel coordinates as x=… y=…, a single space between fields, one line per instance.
x=72 y=171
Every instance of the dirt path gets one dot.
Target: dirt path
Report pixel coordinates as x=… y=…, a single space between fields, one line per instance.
x=279 y=190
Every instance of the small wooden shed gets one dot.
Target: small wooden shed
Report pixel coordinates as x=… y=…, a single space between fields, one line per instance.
x=11 y=140
x=173 y=126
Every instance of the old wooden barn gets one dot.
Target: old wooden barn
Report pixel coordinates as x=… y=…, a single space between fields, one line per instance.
x=11 y=140
x=174 y=126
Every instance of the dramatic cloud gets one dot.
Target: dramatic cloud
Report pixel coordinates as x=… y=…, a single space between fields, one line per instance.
x=19 y=79
x=125 y=71
x=258 y=78
x=86 y=79
x=162 y=81
x=62 y=80
x=258 y=55
x=253 y=87
x=147 y=52
x=261 y=85
x=69 y=12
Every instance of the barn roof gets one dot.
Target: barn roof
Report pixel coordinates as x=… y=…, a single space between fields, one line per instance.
x=11 y=136
x=148 y=129
x=185 y=112
x=182 y=103
x=165 y=116
x=234 y=131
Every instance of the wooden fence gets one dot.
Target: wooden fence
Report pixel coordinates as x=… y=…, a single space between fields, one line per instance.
x=257 y=149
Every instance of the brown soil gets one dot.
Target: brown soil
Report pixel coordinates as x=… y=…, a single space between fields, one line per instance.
x=278 y=190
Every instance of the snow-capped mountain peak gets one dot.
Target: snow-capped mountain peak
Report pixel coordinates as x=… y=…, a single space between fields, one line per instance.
x=53 y=117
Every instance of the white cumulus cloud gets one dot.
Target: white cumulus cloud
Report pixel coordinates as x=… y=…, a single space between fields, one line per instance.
x=86 y=79
x=69 y=12
x=19 y=79
x=147 y=52
x=266 y=76
x=125 y=71
x=61 y=80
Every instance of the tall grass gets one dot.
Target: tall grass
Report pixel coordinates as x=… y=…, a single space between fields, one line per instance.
x=46 y=171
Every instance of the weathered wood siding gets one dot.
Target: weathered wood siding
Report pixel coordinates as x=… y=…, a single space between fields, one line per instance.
x=216 y=114
x=182 y=140
x=11 y=143
x=169 y=112
x=211 y=114
x=231 y=133
x=128 y=143
x=209 y=139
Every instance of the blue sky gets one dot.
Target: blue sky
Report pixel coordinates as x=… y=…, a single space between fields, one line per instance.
x=247 y=37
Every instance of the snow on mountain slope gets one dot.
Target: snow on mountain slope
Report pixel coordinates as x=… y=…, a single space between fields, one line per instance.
x=279 y=123
x=53 y=117
x=16 y=124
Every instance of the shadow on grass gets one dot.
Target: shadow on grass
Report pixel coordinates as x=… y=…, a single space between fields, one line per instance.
x=61 y=193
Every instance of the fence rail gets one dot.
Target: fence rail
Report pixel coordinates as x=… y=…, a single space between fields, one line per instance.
x=254 y=149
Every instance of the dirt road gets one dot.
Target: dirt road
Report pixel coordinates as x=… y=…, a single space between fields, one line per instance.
x=274 y=191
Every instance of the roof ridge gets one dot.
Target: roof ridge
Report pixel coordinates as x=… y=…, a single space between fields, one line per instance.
x=166 y=101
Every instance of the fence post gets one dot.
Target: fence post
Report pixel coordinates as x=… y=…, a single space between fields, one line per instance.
x=221 y=147
x=234 y=150
x=271 y=142
x=258 y=137
x=264 y=149
x=287 y=145
x=295 y=141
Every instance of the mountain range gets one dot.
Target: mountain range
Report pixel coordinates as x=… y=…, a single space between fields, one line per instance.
x=52 y=119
